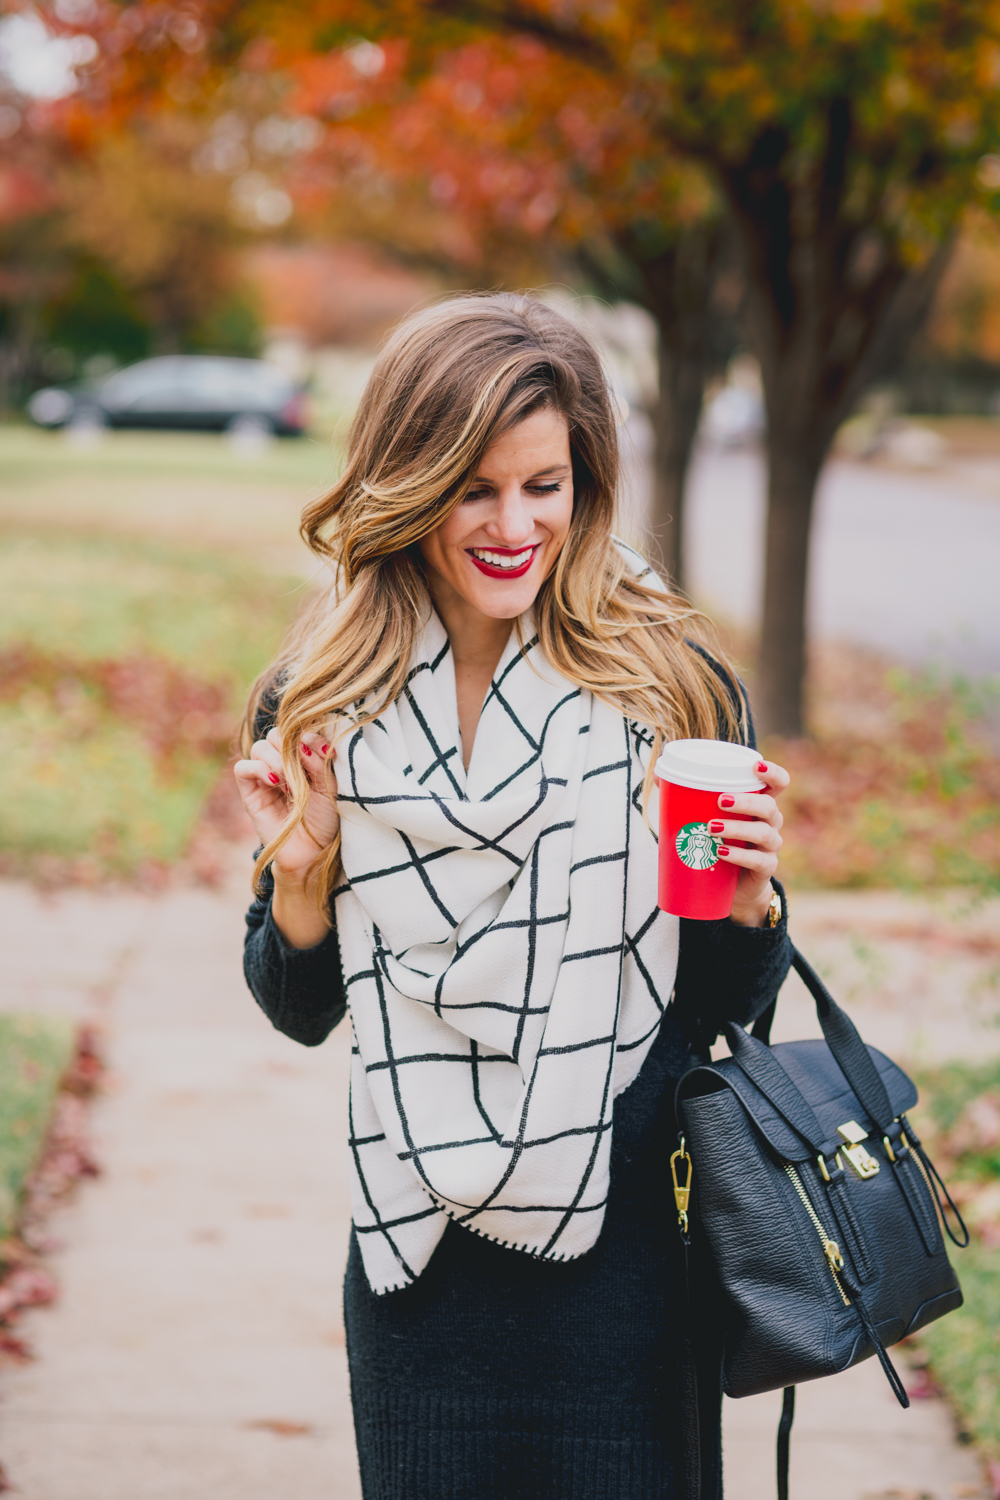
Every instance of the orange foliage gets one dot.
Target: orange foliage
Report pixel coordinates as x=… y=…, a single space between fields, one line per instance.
x=332 y=294
x=966 y=321
x=548 y=118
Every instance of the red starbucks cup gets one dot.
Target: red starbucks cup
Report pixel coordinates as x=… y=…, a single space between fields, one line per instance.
x=694 y=881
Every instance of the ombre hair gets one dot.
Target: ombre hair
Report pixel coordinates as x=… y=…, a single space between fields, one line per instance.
x=450 y=380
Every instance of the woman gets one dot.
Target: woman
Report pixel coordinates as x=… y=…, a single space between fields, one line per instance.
x=450 y=773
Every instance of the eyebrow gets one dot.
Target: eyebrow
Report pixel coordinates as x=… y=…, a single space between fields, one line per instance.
x=538 y=474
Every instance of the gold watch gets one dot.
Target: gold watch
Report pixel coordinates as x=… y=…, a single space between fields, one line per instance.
x=774 y=910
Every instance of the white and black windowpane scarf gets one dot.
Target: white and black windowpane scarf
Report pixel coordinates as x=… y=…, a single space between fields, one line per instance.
x=505 y=960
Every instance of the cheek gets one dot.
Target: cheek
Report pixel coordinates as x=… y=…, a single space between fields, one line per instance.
x=436 y=545
x=561 y=519
x=450 y=535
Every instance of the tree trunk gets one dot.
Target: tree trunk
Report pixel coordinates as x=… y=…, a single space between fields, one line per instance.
x=692 y=290
x=675 y=424
x=792 y=479
x=832 y=304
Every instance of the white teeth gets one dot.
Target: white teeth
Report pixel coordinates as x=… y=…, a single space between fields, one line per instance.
x=502 y=560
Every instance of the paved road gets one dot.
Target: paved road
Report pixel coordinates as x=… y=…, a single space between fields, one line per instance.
x=903 y=562
x=907 y=563
x=197 y=1349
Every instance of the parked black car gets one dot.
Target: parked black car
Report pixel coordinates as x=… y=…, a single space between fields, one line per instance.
x=203 y=392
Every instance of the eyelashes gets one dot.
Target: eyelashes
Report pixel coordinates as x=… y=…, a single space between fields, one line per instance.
x=533 y=489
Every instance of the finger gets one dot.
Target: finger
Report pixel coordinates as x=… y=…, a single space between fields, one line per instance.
x=274 y=738
x=318 y=762
x=756 y=805
x=776 y=776
x=763 y=835
x=254 y=774
x=265 y=752
x=757 y=860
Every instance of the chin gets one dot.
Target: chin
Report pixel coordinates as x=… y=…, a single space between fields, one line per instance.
x=503 y=603
x=500 y=599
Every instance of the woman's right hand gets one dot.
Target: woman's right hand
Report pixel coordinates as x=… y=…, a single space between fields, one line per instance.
x=264 y=789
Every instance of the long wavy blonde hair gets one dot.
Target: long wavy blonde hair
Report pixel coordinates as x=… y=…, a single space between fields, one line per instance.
x=450 y=380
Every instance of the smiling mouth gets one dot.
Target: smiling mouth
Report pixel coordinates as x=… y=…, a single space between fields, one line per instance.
x=503 y=562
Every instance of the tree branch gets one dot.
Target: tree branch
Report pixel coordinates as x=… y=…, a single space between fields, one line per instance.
x=525 y=21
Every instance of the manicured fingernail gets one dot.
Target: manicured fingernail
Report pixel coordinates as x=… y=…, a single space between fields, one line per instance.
x=323 y=749
x=727 y=801
x=762 y=765
x=306 y=750
x=716 y=826
x=723 y=851
x=274 y=780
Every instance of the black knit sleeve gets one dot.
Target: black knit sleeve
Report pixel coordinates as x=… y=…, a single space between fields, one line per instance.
x=300 y=990
x=726 y=972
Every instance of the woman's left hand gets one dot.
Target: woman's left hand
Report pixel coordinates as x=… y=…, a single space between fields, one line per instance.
x=762 y=831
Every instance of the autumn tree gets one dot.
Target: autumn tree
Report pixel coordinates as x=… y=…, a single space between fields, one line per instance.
x=501 y=162
x=845 y=140
x=843 y=137
x=532 y=161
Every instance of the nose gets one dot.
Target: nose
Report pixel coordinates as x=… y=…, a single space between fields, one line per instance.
x=512 y=523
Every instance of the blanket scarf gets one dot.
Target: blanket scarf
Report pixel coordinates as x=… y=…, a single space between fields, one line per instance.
x=505 y=962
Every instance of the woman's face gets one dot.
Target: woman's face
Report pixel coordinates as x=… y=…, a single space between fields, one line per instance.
x=497 y=547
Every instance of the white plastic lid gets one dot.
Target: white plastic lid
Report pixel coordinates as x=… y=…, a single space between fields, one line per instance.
x=710 y=766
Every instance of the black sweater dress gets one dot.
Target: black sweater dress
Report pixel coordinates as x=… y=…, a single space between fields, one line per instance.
x=498 y=1376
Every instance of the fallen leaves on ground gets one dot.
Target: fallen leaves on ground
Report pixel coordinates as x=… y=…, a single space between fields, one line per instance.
x=152 y=731
x=279 y=1426
x=177 y=712
x=898 y=785
x=959 y=1121
x=25 y=1280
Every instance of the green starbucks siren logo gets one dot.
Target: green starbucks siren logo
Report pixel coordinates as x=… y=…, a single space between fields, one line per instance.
x=696 y=847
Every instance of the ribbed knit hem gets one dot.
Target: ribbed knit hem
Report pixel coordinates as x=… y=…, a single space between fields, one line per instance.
x=420 y=1447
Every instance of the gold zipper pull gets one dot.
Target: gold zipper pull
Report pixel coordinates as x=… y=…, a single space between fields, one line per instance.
x=682 y=1192
x=832 y=1252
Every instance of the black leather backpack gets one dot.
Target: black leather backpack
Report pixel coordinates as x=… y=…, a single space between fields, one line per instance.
x=818 y=1205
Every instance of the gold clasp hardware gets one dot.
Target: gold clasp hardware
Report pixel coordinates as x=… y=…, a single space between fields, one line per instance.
x=682 y=1192
x=853 y=1135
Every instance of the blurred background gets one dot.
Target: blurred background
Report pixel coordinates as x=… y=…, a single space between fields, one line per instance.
x=781 y=227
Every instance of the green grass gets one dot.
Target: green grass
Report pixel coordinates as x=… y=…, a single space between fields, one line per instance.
x=34 y=1053
x=99 y=595
x=101 y=797
x=965 y=1350
x=31 y=454
x=116 y=787
x=964 y=1347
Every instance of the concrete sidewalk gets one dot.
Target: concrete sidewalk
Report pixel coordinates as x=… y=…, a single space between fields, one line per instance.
x=197 y=1350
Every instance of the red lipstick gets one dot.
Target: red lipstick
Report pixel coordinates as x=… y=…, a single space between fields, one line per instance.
x=492 y=571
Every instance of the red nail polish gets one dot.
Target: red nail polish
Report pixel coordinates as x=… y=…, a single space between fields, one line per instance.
x=723 y=851
x=762 y=765
x=274 y=780
x=716 y=826
x=727 y=801
x=323 y=749
x=306 y=750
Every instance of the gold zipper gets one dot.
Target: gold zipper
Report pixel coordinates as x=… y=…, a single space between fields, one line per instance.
x=831 y=1249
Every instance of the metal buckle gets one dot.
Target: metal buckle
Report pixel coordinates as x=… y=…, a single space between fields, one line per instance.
x=852 y=1134
x=682 y=1194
